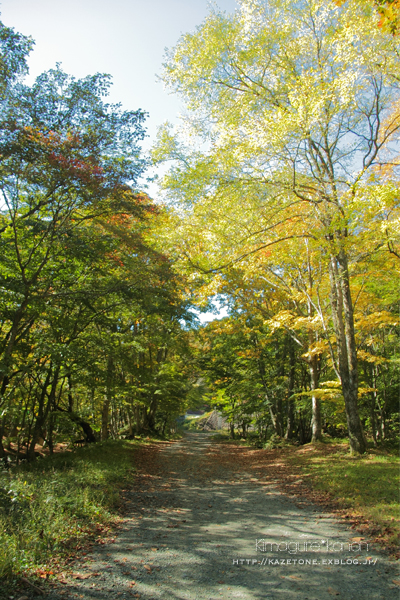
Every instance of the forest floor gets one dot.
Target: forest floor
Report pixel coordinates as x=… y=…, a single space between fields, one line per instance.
x=204 y=521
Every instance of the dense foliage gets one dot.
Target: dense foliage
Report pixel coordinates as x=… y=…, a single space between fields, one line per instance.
x=91 y=341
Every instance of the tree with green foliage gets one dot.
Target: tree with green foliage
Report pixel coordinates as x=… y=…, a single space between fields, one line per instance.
x=77 y=271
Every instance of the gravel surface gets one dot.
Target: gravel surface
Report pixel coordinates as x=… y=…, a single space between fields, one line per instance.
x=194 y=525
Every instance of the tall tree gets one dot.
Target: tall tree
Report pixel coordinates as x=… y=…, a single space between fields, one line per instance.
x=282 y=139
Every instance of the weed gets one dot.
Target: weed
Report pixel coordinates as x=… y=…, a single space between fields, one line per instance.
x=49 y=507
x=365 y=485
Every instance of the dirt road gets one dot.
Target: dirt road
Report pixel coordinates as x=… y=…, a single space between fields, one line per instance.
x=200 y=526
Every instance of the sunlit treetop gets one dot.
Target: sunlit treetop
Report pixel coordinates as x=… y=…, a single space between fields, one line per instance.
x=387 y=12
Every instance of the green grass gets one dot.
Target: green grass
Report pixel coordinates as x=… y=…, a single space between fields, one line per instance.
x=367 y=485
x=50 y=507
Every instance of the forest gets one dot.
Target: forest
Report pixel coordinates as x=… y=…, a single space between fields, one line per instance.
x=280 y=202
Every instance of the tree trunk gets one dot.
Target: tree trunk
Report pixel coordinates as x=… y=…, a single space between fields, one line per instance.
x=164 y=424
x=70 y=396
x=150 y=416
x=2 y=451
x=369 y=377
x=90 y=437
x=343 y=322
x=105 y=412
x=138 y=420
x=380 y=424
x=275 y=409
x=301 y=432
x=373 y=419
x=11 y=341
x=49 y=435
x=43 y=410
x=290 y=427
x=276 y=418
x=104 y=418
x=316 y=428
x=131 y=435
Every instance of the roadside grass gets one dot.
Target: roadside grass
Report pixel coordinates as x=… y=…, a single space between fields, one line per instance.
x=222 y=435
x=51 y=507
x=366 y=487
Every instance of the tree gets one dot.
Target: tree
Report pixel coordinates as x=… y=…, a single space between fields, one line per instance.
x=285 y=291
x=68 y=159
x=91 y=336
x=282 y=140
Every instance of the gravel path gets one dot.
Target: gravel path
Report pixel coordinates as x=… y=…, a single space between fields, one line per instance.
x=194 y=525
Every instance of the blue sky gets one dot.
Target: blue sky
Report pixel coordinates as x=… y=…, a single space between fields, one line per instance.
x=125 y=38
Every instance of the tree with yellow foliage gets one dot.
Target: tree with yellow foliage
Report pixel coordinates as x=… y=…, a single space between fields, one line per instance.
x=286 y=136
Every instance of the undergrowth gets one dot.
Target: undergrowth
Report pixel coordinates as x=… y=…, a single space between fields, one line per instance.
x=367 y=485
x=49 y=507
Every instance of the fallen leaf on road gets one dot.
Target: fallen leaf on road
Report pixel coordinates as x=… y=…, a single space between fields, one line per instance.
x=86 y=575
